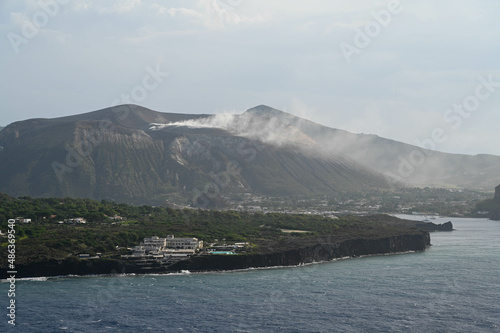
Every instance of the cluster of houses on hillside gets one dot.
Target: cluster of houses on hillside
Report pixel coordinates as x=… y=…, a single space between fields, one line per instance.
x=156 y=252
x=73 y=220
x=164 y=250
x=22 y=220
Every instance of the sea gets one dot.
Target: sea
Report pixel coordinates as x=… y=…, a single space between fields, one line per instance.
x=453 y=286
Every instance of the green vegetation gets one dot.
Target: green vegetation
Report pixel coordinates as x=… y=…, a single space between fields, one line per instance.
x=65 y=208
x=47 y=238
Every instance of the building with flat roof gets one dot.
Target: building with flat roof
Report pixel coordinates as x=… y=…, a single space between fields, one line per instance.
x=184 y=243
x=155 y=242
x=166 y=248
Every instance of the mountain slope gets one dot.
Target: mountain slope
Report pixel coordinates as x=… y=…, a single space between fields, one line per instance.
x=132 y=154
x=117 y=153
x=405 y=163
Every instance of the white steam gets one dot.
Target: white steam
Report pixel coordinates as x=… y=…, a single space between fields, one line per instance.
x=269 y=130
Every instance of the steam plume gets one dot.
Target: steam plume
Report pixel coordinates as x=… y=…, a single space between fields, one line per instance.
x=270 y=130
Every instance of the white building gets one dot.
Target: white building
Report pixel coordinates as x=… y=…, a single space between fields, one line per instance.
x=184 y=243
x=169 y=247
x=76 y=220
x=155 y=242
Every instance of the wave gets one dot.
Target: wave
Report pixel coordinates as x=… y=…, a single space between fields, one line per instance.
x=69 y=276
x=187 y=272
x=38 y=279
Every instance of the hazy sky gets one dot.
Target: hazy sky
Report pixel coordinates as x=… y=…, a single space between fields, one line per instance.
x=406 y=70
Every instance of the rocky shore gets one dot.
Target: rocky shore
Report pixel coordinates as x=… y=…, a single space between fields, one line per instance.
x=322 y=251
x=308 y=250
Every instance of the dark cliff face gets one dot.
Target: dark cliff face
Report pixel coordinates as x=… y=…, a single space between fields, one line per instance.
x=495 y=205
x=496 y=198
x=492 y=206
x=317 y=253
x=72 y=266
x=323 y=250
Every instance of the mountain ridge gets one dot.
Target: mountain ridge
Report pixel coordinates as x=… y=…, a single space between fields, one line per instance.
x=133 y=154
x=113 y=154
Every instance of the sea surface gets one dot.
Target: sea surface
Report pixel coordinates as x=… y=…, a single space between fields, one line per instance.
x=454 y=286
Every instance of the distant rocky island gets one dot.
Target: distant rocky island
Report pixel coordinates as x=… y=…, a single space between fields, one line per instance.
x=491 y=207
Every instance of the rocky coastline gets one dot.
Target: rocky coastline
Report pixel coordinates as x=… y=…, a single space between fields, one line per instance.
x=429 y=226
x=320 y=252
x=318 y=249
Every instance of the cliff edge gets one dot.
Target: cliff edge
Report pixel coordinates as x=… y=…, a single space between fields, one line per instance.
x=317 y=249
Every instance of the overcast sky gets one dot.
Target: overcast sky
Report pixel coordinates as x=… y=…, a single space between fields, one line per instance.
x=421 y=72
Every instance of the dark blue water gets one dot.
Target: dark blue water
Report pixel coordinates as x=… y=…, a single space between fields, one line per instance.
x=454 y=286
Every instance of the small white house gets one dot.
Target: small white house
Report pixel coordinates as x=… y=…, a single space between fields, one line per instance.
x=79 y=220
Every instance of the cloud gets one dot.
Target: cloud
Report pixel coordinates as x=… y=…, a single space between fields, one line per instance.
x=107 y=7
x=211 y=14
x=173 y=12
x=300 y=109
